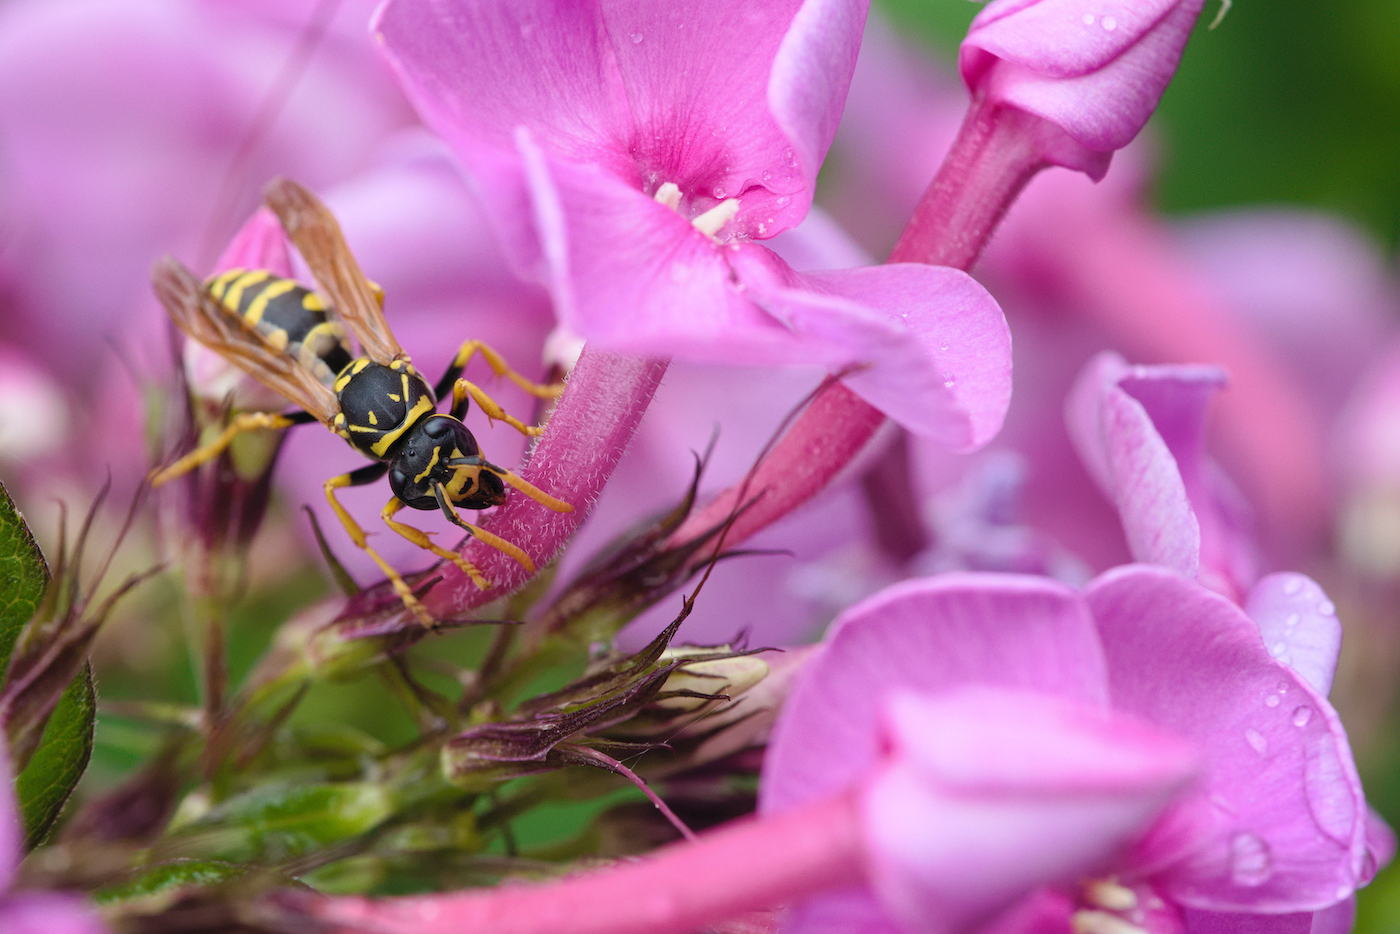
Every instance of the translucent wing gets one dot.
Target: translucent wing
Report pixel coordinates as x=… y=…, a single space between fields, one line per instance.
x=196 y=313
x=314 y=230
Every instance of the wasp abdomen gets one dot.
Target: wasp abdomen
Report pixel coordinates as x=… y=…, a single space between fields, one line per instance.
x=290 y=316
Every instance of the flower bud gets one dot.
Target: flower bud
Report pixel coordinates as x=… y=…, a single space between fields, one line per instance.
x=1092 y=73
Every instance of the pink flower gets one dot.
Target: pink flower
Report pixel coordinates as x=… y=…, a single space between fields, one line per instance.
x=1140 y=432
x=32 y=912
x=1275 y=823
x=629 y=155
x=1090 y=73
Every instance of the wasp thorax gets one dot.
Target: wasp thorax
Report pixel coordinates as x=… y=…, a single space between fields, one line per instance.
x=379 y=404
x=441 y=452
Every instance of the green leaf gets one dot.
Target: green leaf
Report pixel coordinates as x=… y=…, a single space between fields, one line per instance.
x=164 y=883
x=278 y=822
x=23 y=576
x=62 y=757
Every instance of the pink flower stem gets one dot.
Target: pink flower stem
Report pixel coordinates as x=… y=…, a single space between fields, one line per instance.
x=992 y=159
x=606 y=397
x=749 y=864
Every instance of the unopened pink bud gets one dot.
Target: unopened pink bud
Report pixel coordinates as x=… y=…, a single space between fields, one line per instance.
x=1093 y=71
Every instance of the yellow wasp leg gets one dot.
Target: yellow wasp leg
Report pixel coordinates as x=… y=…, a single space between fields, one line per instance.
x=532 y=491
x=462 y=388
x=420 y=538
x=510 y=549
x=357 y=535
x=501 y=368
x=242 y=422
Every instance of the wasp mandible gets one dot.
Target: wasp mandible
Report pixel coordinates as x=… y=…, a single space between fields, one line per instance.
x=294 y=342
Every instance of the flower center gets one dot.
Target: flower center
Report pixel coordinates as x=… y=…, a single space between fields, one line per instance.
x=710 y=222
x=1109 y=908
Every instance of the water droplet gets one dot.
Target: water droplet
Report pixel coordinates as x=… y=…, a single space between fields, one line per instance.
x=1326 y=608
x=636 y=37
x=789 y=158
x=719 y=192
x=949 y=383
x=1277 y=649
x=782 y=202
x=1271 y=700
x=1293 y=586
x=1301 y=716
x=1293 y=620
x=1283 y=687
x=1251 y=863
x=1088 y=19
x=1257 y=741
x=1109 y=24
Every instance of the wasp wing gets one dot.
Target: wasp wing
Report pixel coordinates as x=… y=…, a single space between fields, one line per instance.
x=196 y=313
x=314 y=230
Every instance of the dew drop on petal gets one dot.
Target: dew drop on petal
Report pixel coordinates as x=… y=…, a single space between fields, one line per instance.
x=636 y=37
x=1251 y=862
x=1293 y=586
x=1326 y=608
x=719 y=192
x=1283 y=687
x=1277 y=649
x=1088 y=19
x=1292 y=620
x=1256 y=741
x=1301 y=716
x=1109 y=24
x=949 y=383
x=1271 y=700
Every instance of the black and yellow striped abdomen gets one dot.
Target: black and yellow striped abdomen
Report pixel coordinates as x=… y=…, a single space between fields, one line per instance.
x=291 y=317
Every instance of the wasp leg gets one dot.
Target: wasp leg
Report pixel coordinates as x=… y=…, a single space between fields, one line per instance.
x=420 y=538
x=510 y=549
x=498 y=366
x=530 y=490
x=492 y=409
x=369 y=474
x=242 y=422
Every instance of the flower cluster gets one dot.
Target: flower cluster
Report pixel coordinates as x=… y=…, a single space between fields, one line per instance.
x=949 y=658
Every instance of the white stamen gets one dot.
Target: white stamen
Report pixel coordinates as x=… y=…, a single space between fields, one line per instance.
x=713 y=220
x=1101 y=922
x=1108 y=893
x=669 y=194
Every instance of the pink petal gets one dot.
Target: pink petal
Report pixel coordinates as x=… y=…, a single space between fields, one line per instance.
x=732 y=100
x=1122 y=449
x=991 y=792
x=932 y=344
x=930 y=635
x=46 y=913
x=1215 y=922
x=1380 y=846
x=1299 y=625
x=1095 y=76
x=1278 y=823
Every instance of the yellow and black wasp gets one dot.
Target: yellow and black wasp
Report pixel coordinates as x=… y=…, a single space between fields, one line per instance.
x=294 y=342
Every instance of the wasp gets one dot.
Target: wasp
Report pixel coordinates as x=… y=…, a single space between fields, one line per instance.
x=295 y=342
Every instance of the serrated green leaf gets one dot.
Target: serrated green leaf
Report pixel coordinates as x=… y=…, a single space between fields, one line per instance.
x=23 y=576
x=62 y=757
